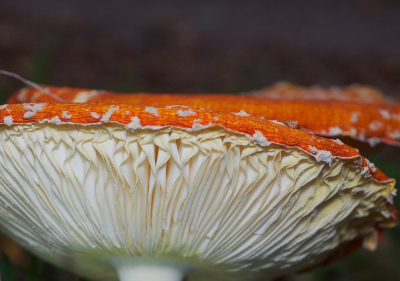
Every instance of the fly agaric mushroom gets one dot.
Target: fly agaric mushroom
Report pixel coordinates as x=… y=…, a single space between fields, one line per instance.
x=166 y=193
x=352 y=93
x=356 y=118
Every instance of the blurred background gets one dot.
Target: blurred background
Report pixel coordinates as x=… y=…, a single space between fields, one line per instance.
x=207 y=46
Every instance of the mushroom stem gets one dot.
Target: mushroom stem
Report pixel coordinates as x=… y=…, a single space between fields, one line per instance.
x=149 y=269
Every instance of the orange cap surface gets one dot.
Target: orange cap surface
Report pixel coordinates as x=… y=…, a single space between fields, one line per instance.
x=352 y=93
x=364 y=121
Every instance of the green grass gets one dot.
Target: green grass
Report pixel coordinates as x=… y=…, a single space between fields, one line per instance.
x=7 y=269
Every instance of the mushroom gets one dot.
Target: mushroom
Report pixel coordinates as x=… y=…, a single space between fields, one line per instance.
x=164 y=193
x=352 y=93
x=356 y=117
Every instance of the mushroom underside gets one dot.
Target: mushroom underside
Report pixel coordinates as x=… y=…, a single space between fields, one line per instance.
x=88 y=198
